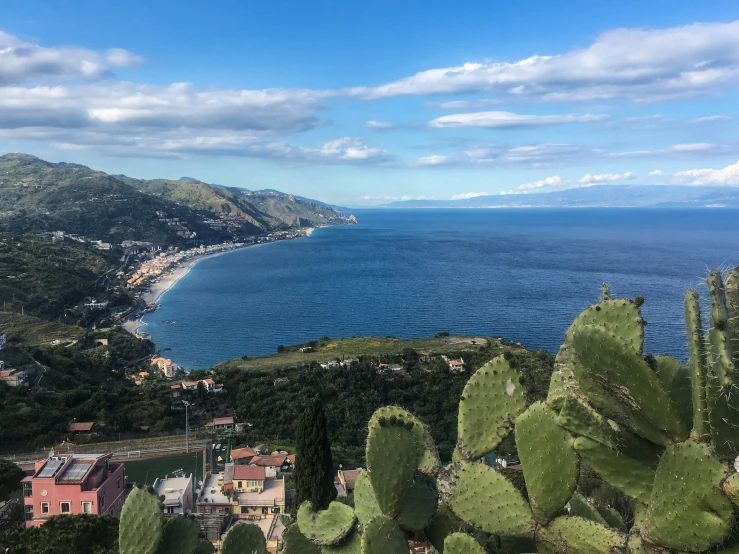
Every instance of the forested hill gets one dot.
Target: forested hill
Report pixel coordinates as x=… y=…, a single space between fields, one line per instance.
x=36 y=195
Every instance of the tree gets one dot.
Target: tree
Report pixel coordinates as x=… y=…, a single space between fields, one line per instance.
x=10 y=478
x=87 y=533
x=314 y=478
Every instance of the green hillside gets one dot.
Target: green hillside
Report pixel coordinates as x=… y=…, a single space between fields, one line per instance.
x=36 y=195
x=294 y=211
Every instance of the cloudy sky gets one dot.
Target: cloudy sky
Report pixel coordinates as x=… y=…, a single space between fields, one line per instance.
x=359 y=103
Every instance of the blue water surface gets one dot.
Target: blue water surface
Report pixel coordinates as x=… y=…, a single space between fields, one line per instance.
x=521 y=274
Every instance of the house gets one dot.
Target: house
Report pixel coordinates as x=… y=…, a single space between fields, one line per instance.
x=242 y=456
x=13 y=377
x=456 y=365
x=280 y=381
x=175 y=390
x=80 y=427
x=223 y=423
x=189 y=385
x=209 y=384
x=248 y=478
x=396 y=368
x=177 y=493
x=348 y=478
x=166 y=366
x=138 y=378
x=254 y=495
x=273 y=464
x=212 y=498
x=74 y=484
x=3 y=340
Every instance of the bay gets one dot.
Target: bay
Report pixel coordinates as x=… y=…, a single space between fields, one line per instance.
x=520 y=274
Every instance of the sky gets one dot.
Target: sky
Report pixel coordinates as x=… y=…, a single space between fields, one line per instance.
x=364 y=103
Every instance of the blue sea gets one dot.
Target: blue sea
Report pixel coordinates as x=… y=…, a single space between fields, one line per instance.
x=520 y=274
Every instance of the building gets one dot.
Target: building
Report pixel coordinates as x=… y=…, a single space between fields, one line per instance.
x=274 y=464
x=74 y=484
x=12 y=377
x=254 y=495
x=456 y=365
x=242 y=456
x=80 y=427
x=347 y=479
x=175 y=390
x=166 y=366
x=248 y=479
x=177 y=493
x=3 y=340
x=189 y=385
x=223 y=423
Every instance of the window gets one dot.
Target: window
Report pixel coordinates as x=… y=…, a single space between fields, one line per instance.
x=44 y=507
x=87 y=507
x=275 y=510
x=170 y=509
x=64 y=507
x=240 y=484
x=101 y=502
x=118 y=483
x=265 y=510
x=244 y=509
x=27 y=490
x=29 y=513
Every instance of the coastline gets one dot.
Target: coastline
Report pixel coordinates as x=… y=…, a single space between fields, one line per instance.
x=169 y=279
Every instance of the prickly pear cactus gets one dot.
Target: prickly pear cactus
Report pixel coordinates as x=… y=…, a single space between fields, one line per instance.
x=179 y=536
x=244 y=538
x=140 y=528
x=327 y=527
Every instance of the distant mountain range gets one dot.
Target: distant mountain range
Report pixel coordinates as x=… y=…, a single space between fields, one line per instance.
x=36 y=195
x=601 y=196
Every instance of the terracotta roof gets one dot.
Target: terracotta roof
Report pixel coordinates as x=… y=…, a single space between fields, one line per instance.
x=175 y=387
x=291 y=458
x=238 y=453
x=223 y=421
x=249 y=472
x=350 y=477
x=189 y=383
x=209 y=381
x=78 y=426
x=268 y=461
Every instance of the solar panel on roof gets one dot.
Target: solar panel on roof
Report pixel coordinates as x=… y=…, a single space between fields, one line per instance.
x=75 y=472
x=51 y=467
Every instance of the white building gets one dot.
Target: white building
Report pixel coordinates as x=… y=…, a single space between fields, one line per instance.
x=177 y=492
x=3 y=340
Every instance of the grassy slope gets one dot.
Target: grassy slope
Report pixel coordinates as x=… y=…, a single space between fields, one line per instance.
x=32 y=331
x=354 y=347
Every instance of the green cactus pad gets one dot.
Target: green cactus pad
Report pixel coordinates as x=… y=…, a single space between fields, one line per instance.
x=732 y=307
x=621 y=317
x=179 y=536
x=578 y=417
x=443 y=524
x=296 y=543
x=244 y=538
x=637 y=546
x=420 y=504
x=575 y=535
x=328 y=526
x=625 y=376
x=461 y=543
x=630 y=476
x=394 y=450
x=696 y=364
x=382 y=535
x=365 y=504
x=613 y=518
x=719 y=337
x=550 y=465
x=140 y=528
x=482 y=497
x=429 y=462
x=687 y=509
x=204 y=546
x=676 y=381
x=491 y=401
x=350 y=545
x=580 y=507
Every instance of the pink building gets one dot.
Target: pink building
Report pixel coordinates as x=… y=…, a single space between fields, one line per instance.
x=74 y=484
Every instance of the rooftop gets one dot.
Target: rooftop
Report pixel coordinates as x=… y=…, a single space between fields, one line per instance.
x=211 y=492
x=269 y=461
x=239 y=453
x=172 y=489
x=78 y=426
x=273 y=491
x=223 y=421
x=249 y=472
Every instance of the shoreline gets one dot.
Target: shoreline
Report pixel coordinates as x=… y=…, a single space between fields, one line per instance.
x=166 y=281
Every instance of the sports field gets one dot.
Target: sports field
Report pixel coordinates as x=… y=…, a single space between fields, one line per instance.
x=146 y=471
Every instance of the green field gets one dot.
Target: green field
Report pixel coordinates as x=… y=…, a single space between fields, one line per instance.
x=146 y=471
x=331 y=349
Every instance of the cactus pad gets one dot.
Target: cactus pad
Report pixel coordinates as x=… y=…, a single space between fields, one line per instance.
x=443 y=524
x=731 y=488
x=382 y=535
x=394 y=450
x=461 y=543
x=244 y=538
x=482 y=497
x=296 y=543
x=613 y=519
x=204 y=546
x=419 y=505
x=696 y=364
x=365 y=504
x=550 y=465
x=179 y=536
x=491 y=401
x=628 y=475
x=578 y=417
x=575 y=535
x=350 y=545
x=687 y=510
x=621 y=317
x=580 y=507
x=676 y=381
x=732 y=307
x=718 y=334
x=328 y=526
x=626 y=377
x=140 y=528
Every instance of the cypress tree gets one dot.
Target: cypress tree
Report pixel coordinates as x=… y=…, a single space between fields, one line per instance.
x=314 y=473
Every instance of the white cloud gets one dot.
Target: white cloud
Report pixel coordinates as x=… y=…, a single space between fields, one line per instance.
x=606 y=177
x=22 y=61
x=711 y=119
x=535 y=155
x=465 y=104
x=432 y=160
x=655 y=173
x=466 y=195
x=638 y=63
x=548 y=182
x=726 y=176
x=379 y=124
x=692 y=147
x=507 y=120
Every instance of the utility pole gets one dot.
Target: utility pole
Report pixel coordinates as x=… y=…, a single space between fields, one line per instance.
x=187 y=426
